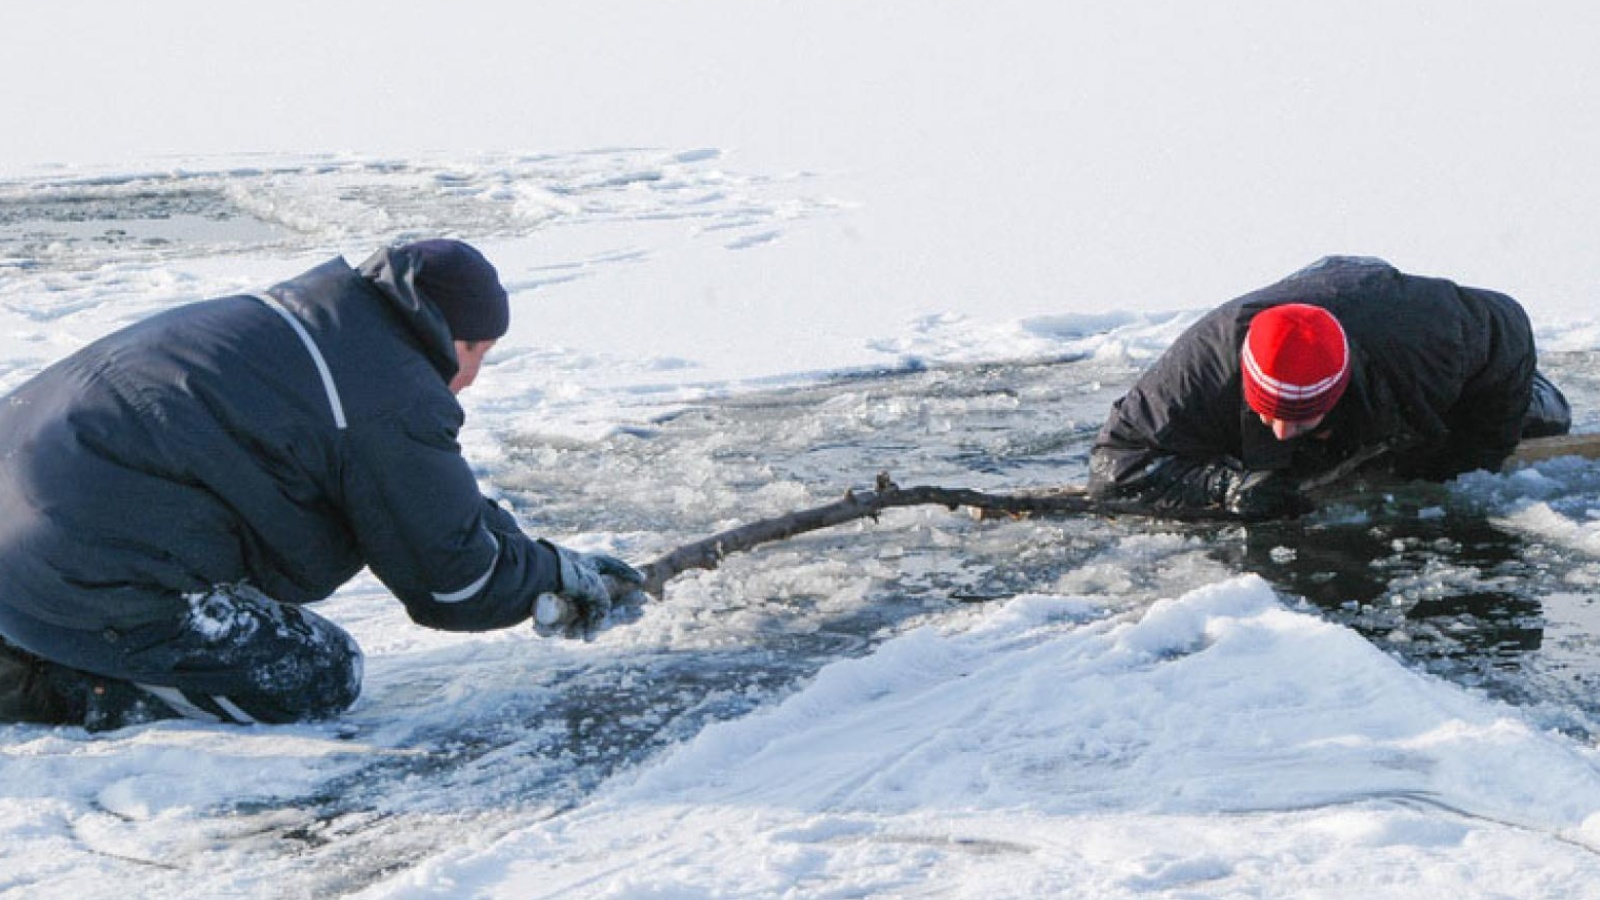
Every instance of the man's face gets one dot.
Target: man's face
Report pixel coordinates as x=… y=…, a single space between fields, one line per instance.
x=1284 y=431
x=469 y=355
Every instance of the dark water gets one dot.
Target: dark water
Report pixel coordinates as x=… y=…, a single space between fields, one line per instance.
x=1430 y=573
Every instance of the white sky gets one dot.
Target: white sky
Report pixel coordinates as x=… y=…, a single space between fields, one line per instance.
x=1034 y=155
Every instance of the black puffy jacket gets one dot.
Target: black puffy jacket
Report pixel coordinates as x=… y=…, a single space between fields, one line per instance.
x=1441 y=378
x=286 y=439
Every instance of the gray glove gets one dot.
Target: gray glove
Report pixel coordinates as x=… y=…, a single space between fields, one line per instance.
x=583 y=604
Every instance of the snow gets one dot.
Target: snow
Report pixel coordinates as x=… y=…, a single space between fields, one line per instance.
x=757 y=252
x=1219 y=744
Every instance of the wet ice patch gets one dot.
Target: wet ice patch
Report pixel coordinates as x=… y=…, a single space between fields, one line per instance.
x=1541 y=520
x=1556 y=500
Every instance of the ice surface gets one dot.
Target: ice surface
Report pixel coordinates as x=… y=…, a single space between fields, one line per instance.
x=1050 y=749
x=758 y=255
x=925 y=702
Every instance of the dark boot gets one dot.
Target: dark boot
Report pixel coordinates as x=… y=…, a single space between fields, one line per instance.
x=1548 y=413
x=41 y=692
x=114 y=704
x=29 y=693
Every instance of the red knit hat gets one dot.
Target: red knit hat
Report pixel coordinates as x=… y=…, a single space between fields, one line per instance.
x=1296 y=362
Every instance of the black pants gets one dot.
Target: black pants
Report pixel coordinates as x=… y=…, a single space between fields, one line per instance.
x=234 y=656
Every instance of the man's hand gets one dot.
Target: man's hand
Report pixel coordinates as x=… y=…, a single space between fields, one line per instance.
x=1177 y=484
x=583 y=605
x=1265 y=495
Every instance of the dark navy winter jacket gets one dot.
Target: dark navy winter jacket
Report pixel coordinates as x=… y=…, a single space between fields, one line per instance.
x=286 y=439
x=1441 y=378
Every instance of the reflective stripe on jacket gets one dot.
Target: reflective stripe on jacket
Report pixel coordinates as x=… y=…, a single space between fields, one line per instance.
x=286 y=440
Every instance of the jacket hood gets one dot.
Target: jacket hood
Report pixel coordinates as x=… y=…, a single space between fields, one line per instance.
x=393 y=272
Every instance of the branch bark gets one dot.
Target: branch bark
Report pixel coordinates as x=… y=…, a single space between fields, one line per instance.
x=1536 y=449
x=1060 y=501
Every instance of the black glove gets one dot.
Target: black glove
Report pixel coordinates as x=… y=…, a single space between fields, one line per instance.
x=1178 y=484
x=1264 y=495
x=583 y=604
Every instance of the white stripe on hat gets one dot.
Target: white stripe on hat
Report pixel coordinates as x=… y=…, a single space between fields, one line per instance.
x=1297 y=393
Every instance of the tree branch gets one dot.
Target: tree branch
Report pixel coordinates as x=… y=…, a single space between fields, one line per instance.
x=709 y=552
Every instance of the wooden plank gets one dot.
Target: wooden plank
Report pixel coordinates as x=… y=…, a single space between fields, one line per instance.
x=1536 y=449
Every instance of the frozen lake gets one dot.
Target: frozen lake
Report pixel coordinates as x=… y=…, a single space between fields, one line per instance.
x=1396 y=691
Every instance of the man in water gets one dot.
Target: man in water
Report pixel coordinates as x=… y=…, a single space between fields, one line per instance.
x=1344 y=361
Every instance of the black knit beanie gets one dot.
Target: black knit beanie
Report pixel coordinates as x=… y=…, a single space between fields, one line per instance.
x=463 y=285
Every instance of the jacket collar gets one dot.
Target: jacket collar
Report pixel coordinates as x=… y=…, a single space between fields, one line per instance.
x=392 y=271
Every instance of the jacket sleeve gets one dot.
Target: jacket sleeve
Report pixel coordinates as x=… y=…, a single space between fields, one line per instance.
x=1172 y=442
x=1161 y=482
x=456 y=560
